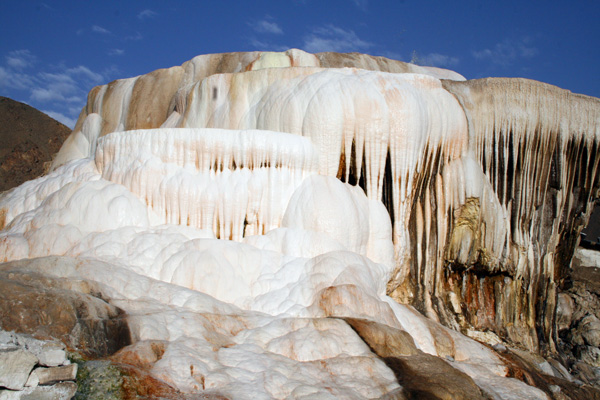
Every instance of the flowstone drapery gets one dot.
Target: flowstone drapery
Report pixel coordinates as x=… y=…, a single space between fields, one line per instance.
x=281 y=188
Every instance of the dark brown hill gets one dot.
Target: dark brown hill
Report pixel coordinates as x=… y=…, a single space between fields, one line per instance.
x=28 y=139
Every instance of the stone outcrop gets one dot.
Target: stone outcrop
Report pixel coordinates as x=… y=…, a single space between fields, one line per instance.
x=69 y=311
x=58 y=391
x=49 y=376
x=421 y=375
x=28 y=140
x=578 y=317
x=34 y=369
x=106 y=380
x=39 y=369
x=15 y=367
x=548 y=375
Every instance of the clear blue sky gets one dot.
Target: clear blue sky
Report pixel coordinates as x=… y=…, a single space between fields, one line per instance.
x=53 y=52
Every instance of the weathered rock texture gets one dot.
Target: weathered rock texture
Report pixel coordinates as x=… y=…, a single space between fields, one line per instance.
x=24 y=370
x=15 y=367
x=28 y=140
x=551 y=377
x=538 y=148
x=50 y=376
x=59 y=391
x=105 y=380
x=578 y=316
x=421 y=375
x=69 y=311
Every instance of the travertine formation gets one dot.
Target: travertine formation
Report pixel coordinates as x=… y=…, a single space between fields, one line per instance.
x=230 y=204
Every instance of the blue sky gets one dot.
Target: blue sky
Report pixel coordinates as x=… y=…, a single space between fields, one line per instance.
x=53 y=52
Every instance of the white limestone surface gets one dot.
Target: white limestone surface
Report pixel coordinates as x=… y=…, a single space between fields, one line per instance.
x=240 y=249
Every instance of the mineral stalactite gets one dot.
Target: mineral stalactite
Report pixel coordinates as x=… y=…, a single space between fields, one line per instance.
x=258 y=193
x=537 y=146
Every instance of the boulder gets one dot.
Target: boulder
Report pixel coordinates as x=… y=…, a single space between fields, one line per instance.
x=15 y=366
x=143 y=354
x=384 y=340
x=549 y=376
x=60 y=391
x=421 y=375
x=578 y=319
x=50 y=353
x=50 y=376
x=47 y=308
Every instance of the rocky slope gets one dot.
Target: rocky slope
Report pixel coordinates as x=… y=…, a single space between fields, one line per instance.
x=29 y=139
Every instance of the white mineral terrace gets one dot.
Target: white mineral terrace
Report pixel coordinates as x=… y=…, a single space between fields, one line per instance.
x=271 y=291
x=235 y=183
x=229 y=212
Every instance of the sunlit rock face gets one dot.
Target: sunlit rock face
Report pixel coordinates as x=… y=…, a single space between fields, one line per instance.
x=241 y=208
x=538 y=149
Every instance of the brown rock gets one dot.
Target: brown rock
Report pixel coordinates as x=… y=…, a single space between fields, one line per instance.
x=142 y=354
x=591 y=330
x=423 y=376
x=46 y=308
x=28 y=139
x=579 y=339
x=555 y=386
x=108 y=379
x=564 y=311
x=584 y=273
x=350 y=300
x=140 y=384
x=384 y=340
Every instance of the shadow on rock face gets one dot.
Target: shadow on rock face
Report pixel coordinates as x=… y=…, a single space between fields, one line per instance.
x=422 y=376
x=525 y=367
x=71 y=311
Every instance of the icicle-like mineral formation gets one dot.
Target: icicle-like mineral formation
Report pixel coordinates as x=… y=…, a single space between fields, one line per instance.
x=257 y=193
x=235 y=183
x=538 y=148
